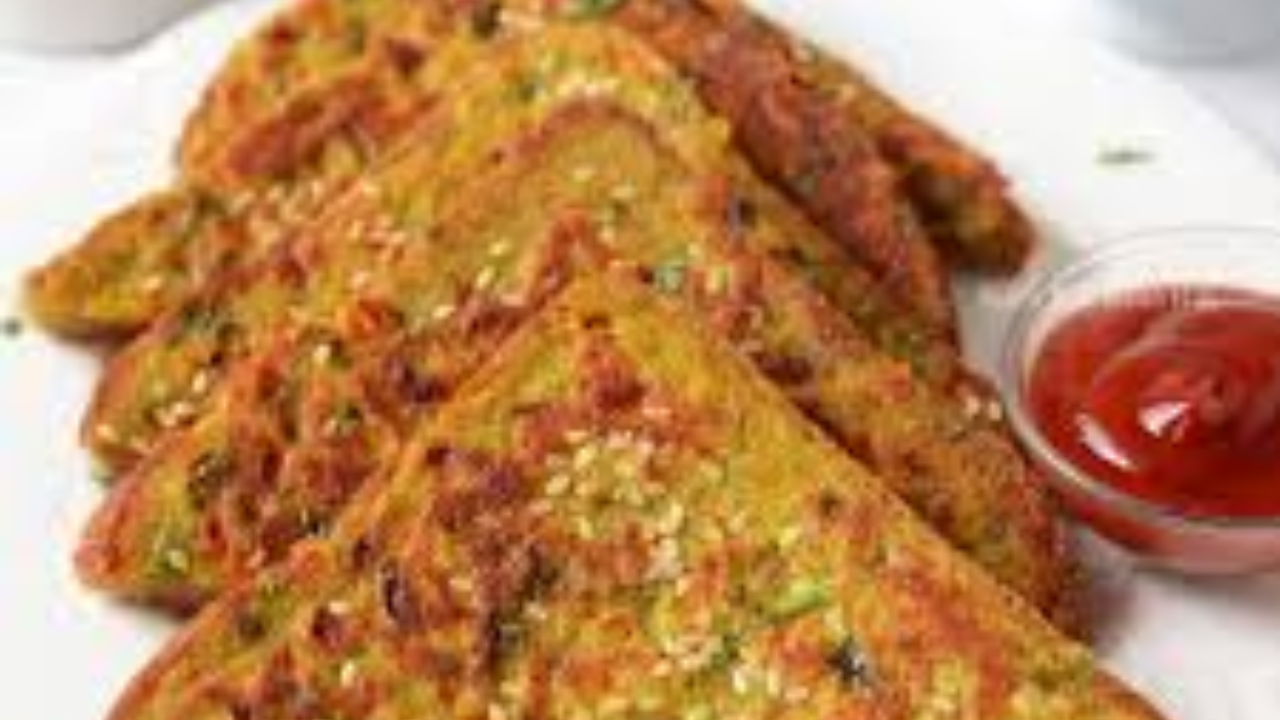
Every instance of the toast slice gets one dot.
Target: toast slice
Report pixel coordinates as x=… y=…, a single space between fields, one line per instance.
x=959 y=194
x=251 y=156
x=320 y=412
x=162 y=379
x=619 y=518
x=273 y=178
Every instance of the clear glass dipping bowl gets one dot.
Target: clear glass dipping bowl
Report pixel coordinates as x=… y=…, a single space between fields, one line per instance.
x=1242 y=258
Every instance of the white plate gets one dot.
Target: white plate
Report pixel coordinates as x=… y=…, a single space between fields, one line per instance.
x=1043 y=106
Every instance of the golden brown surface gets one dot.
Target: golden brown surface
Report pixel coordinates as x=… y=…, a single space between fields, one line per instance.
x=494 y=88
x=263 y=467
x=618 y=518
x=327 y=87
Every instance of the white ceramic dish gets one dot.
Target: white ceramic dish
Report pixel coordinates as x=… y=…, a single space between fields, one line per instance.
x=1047 y=108
x=1186 y=29
x=80 y=25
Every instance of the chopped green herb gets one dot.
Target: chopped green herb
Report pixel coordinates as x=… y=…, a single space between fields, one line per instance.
x=669 y=276
x=528 y=88
x=728 y=651
x=344 y=420
x=208 y=474
x=199 y=319
x=801 y=597
x=807 y=183
x=719 y=279
x=587 y=9
x=1125 y=156
x=11 y=327
x=850 y=664
x=102 y=475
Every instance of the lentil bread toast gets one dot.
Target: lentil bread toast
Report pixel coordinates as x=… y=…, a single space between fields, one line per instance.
x=273 y=177
x=617 y=517
x=161 y=380
x=305 y=423
x=300 y=89
x=960 y=194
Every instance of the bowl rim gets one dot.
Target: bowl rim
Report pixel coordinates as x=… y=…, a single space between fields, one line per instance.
x=1013 y=360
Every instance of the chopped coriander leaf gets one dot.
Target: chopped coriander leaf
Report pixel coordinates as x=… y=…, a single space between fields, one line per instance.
x=586 y=9
x=1125 y=156
x=669 y=276
x=344 y=420
x=102 y=475
x=850 y=664
x=11 y=327
x=801 y=597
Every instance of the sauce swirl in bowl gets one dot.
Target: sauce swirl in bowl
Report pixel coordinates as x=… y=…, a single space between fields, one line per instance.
x=1145 y=381
x=1170 y=394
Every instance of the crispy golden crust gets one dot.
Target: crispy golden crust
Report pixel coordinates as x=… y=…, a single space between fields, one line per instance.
x=961 y=196
x=617 y=516
x=206 y=507
x=325 y=97
x=269 y=178
x=801 y=141
x=122 y=273
x=299 y=53
x=495 y=87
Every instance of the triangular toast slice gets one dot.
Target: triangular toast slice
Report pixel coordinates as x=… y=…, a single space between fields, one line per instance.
x=351 y=73
x=281 y=159
x=322 y=409
x=140 y=261
x=958 y=193
x=163 y=378
x=619 y=518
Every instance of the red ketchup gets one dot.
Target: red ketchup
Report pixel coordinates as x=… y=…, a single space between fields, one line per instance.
x=1172 y=395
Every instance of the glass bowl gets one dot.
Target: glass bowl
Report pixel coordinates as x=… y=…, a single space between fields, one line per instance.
x=1241 y=258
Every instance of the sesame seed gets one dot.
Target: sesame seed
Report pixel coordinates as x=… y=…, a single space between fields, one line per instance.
x=672 y=520
x=360 y=281
x=486 y=278
x=623 y=193
x=348 y=673
x=153 y=283
x=366 y=188
x=656 y=412
x=558 y=484
x=796 y=694
x=322 y=354
x=201 y=383
x=789 y=536
x=585 y=456
x=773 y=683
x=995 y=412
x=107 y=433
x=443 y=312
x=177 y=560
x=666 y=561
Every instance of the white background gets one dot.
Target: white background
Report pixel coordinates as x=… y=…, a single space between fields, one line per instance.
x=81 y=136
